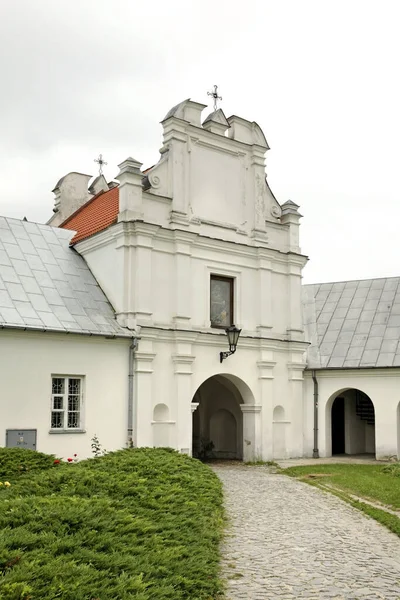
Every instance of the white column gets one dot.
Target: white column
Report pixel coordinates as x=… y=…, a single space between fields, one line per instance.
x=252 y=449
x=183 y=309
x=295 y=366
x=143 y=399
x=266 y=379
x=387 y=423
x=295 y=314
x=142 y=291
x=265 y=294
x=184 y=405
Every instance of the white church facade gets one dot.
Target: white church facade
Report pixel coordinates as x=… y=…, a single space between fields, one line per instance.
x=114 y=314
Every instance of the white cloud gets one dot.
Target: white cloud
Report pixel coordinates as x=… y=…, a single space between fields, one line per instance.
x=320 y=78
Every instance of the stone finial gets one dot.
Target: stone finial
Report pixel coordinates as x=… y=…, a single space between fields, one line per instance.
x=216 y=122
x=291 y=218
x=129 y=165
x=248 y=132
x=187 y=111
x=290 y=208
x=98 y=185
x=130 y=190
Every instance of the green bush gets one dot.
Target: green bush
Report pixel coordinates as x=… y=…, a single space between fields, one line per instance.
x=392 y=469
x=138 y=523
x=17 y=461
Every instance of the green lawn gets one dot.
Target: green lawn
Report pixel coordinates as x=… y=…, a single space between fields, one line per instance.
x=377 y=483
x=135 y=524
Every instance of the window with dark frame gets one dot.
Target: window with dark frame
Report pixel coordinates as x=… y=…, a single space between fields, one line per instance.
x=221 y=301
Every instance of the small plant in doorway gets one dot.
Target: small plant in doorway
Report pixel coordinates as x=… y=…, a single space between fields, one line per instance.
x=206 y=451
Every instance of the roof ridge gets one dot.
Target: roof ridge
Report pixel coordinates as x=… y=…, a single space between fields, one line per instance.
x=351 y=280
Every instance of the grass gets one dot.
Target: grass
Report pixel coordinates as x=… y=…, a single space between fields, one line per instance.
x=379 y=484
x=135 y=524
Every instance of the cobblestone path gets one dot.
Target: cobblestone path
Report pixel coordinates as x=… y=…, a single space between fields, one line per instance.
x=287 y=540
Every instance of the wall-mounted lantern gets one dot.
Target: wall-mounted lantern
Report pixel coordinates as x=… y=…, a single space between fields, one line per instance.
x=233 y=336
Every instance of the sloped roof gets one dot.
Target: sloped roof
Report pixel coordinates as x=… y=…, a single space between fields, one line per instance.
x=46 y=285
x=353 y=324
x=94 y=216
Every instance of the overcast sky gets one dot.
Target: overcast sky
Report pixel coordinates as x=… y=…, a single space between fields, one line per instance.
x=320 y=77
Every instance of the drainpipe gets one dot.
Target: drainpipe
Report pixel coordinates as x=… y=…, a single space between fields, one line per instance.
x=315 y=450
x=131 y=389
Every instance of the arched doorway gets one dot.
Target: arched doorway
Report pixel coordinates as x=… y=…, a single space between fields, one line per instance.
x=218 y=418
x=350 y=418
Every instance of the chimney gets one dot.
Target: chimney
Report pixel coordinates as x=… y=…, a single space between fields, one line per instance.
x=71 y=192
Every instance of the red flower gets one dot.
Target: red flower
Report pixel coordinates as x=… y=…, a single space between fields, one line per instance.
x=56 y=462
x=70 y=459
x=75 y=455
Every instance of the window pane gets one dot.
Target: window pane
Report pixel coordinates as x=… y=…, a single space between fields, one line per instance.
x=73 y=420
x=57 y=420
x=221 y=309
x=57 y=402
x=74 y=386
x=58 y=385
x=73 y=403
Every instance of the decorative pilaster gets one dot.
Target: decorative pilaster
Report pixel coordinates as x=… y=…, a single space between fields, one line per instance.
x=252 y=445
x=184 y=405
x=295 y=329
x=265 y=294
x=143 y=398
x=266 y=386
x=182 y=276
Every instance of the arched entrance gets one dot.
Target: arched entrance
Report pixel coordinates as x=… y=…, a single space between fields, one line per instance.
x=350 y=419
x=219 y=407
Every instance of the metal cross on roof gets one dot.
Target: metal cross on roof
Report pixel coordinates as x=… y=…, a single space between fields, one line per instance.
x=214 y=95
x=100 y=161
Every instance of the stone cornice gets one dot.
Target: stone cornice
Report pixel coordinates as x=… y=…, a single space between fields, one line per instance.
x=124 y=229
x=251 y=408
x=208 y=337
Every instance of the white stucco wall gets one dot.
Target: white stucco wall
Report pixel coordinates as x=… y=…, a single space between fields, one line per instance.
x=171 y=366
x=382 y=387
x=28 y=361
x=207 y=210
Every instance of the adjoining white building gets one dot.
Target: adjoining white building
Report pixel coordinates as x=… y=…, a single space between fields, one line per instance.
x=180 y=252
x=354 y=358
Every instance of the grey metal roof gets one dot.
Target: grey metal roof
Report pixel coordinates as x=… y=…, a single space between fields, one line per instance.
x=46 y=285
x=353 y=324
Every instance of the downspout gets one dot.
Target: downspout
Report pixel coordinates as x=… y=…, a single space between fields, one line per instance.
x=315 y=450
x=131 y=391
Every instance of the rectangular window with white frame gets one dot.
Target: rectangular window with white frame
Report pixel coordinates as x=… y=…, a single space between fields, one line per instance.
x=66 y=403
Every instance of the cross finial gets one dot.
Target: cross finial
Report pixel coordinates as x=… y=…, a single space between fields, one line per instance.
x=101 y=162
x=214 y=95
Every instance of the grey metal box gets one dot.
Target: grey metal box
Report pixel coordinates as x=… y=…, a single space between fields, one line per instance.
x=21 y=438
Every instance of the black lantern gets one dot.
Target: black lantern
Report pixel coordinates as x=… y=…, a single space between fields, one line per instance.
x=233 y=336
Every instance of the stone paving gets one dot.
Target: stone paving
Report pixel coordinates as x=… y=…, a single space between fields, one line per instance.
x=287 y=540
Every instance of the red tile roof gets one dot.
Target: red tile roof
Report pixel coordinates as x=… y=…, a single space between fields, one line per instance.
x=94 y=216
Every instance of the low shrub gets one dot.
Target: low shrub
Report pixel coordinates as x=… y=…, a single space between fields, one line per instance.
x=392 y=469
x=135 y=524
x=17 y=461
